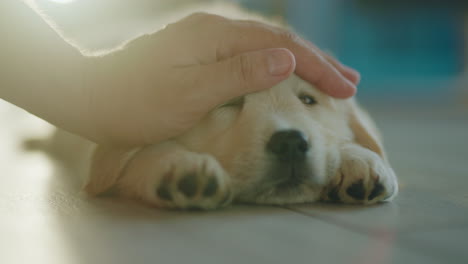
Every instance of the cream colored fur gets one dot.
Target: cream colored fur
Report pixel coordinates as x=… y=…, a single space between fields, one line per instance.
x=228 y=148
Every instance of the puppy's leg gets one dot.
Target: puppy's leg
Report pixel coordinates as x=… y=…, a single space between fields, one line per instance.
x=363 y=177
x=168 y=175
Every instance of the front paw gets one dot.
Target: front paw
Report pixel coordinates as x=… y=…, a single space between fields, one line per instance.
x=196 y=182
x=363 y=178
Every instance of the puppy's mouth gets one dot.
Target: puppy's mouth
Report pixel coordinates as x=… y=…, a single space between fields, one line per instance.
x=289 y=172
x=288 y=185
x=289 y=176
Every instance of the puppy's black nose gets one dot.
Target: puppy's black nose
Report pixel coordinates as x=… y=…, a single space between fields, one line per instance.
x=288 y=145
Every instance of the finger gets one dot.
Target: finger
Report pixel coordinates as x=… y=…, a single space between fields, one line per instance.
x=310 y=64
x=245 y=73
x=349 y=73
x=346 y=71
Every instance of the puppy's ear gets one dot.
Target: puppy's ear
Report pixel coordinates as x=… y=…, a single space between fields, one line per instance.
x=107 y=165
x=364 y=130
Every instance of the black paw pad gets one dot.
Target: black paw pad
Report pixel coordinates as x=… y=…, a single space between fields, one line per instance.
x=226 y=199
x=378 y=190
x=357 y=190
x=188 y=185
x=211 y=187
x=333 y=195
x=163 y=192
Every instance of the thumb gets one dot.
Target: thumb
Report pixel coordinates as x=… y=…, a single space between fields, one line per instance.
x=248 y=72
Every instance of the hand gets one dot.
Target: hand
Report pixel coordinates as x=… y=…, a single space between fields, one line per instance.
x=162 y=84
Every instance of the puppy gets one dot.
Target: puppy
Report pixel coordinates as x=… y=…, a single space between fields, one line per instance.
x=289 y=144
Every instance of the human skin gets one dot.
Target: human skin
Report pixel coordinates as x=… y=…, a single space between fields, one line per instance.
x=157 y=86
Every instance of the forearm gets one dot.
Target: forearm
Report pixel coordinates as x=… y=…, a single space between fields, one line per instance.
x=39 y=71
x=156 y=87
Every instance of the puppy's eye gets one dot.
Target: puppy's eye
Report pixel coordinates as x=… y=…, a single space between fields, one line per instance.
x=236 y=102
x=307 y=99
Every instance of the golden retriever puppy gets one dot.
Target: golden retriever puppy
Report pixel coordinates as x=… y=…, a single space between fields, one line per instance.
x=289 y=144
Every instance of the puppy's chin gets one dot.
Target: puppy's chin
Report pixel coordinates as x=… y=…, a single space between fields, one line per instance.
x=282 y=193
x=294 y=197
x=273 y=182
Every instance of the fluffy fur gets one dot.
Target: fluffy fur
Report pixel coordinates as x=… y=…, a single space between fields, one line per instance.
x=227 y=157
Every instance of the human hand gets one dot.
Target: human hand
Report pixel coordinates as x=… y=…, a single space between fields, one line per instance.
x=162 y=84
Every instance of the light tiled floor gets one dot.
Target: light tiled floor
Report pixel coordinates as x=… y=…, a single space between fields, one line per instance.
x=45 y=219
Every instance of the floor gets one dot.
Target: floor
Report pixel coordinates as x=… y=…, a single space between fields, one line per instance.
x=45 y=219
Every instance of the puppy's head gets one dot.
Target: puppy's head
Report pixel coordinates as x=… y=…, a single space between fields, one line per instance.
x=281 y=145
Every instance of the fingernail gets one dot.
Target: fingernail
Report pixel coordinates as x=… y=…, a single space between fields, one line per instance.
x=280 y=62
x=355 y=76
x=351 y=89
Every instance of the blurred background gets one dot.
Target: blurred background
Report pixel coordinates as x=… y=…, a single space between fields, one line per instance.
x=404 y=49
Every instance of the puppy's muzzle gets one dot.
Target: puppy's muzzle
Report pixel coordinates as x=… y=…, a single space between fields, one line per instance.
x=289 y=146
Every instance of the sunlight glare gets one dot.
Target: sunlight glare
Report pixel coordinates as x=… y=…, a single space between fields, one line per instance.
x=62 y=1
